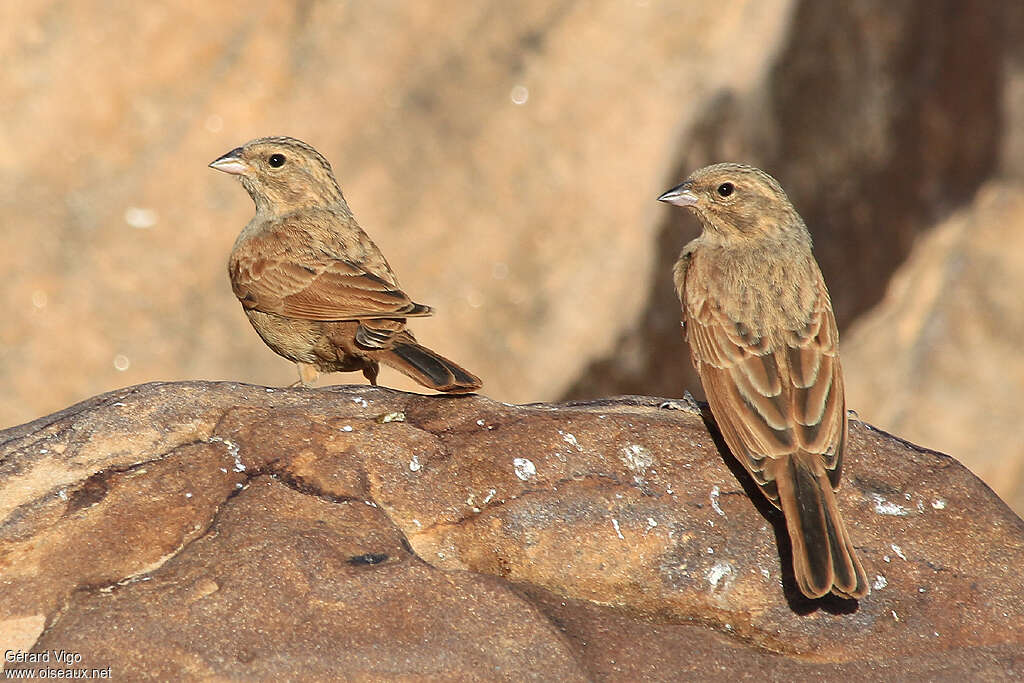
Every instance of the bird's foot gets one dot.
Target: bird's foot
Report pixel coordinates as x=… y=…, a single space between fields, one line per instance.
x=308 y=374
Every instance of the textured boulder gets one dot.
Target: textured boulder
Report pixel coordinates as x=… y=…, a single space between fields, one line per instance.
x=948 y=335
x=225 y=530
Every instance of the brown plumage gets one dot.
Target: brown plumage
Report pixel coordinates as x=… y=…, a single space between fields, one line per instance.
x=763 y=338
x=314 y=286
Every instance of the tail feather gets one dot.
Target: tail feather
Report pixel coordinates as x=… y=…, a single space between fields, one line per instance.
x=430 y=369
x=824 y=558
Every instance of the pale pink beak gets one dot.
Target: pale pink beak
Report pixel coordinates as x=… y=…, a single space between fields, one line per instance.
x=231 y=163
x=680 y=195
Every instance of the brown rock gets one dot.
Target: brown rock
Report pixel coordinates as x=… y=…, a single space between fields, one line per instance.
x=205 y=530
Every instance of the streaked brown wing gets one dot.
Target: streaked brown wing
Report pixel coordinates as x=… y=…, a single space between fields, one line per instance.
x=326 y=289
x=772 y=397
x=816 y=376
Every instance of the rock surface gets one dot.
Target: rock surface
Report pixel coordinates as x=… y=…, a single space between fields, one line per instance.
x=951 y=327
x=216 y=530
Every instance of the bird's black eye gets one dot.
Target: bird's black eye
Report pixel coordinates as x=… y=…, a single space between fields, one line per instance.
x=725 y=189
x=277 y=160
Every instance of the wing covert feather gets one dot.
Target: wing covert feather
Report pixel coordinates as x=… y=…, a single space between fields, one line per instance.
x=315 y=289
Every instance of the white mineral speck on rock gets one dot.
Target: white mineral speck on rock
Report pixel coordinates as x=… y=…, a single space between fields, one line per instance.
x=414 y=464
x=232 y=451
x=720 y=571
x=347 y=428
x=885 y=507
x=524 y=468
x=637 y=458
x=879 y=583
x=715 y=493
x=618 y=532
x=939 y=504
x=570 y=439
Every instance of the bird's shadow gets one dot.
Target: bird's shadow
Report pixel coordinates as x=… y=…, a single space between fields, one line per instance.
x=797 y=601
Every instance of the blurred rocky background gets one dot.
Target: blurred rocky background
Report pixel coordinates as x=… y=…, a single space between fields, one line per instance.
x=506 y=157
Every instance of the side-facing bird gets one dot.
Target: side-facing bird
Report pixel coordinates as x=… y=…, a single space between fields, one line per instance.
x=764 y=341
x=317 y=290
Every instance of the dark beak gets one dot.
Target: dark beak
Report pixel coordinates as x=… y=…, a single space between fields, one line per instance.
x=680 y=195
x=231 y=163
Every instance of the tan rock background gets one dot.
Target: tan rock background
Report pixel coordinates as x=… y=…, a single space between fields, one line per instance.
x=505 y=156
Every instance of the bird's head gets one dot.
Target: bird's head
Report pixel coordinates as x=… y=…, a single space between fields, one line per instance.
x=734 y=199
x=282 y=174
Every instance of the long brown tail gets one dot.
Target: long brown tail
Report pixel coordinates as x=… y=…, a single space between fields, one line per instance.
x=823 y=556
x=430 y=369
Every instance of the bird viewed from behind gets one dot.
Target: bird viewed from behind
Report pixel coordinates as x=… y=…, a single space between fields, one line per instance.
x=317 y=290
x=764 y=341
